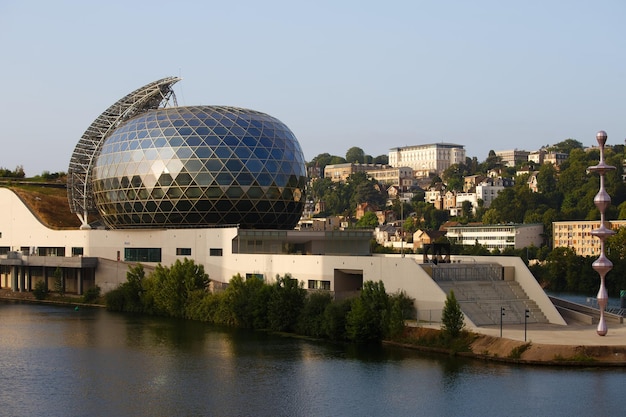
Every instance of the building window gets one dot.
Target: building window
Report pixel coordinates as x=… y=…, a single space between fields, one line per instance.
x=319 y=285
x=255 y=275
x=4 y=250
x=77 y=251
x=142 y=254
x=183 y=251
x=215 y=252
x=49 y=251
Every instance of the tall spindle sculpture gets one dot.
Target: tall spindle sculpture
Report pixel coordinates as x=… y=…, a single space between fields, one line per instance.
x=602 y=200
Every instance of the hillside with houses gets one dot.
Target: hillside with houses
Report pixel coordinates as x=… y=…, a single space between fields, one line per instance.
x=535 y=204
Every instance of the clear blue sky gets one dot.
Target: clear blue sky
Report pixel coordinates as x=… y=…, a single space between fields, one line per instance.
x=485 y=74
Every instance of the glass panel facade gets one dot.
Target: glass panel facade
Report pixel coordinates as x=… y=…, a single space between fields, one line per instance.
x=200 y=166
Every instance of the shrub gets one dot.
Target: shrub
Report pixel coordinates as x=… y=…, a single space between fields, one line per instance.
x=41 y=290
x=311 y=321
x=335 y=315
x=91 y=295
x=517 y=351
x=115 y=300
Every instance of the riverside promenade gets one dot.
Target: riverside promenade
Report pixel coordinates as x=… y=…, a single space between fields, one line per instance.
x=551 y=334
x=545 y=344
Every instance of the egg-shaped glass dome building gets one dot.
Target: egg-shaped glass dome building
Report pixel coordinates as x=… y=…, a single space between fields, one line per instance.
x=199 y=166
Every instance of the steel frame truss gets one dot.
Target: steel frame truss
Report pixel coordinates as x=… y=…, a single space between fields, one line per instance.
x=79 y=187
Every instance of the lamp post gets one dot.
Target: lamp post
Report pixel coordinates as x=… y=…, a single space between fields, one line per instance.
x=501 y=315
x=401 y=229
x=602 y=200
x=526 y=313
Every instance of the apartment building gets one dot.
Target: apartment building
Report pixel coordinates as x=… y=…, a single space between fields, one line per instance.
x=341 y=172
x=394 y=176
x=497 y=236
x=577 y=235
x=513 y=157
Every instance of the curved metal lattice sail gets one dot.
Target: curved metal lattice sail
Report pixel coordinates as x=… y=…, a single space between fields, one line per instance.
x=79 y=189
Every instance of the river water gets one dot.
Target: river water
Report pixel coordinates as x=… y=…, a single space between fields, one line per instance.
x=55 y=361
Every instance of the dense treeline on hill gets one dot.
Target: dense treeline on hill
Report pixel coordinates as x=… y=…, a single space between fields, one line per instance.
x=181 y=291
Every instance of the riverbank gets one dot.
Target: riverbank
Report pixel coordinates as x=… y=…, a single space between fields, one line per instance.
x=501 y=349
x=66 y=300
x=547 y=345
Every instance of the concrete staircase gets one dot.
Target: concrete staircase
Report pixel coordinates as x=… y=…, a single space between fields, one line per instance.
x=483 y=295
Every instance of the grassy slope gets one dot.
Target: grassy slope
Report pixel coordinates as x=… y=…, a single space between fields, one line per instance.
x=48 y=203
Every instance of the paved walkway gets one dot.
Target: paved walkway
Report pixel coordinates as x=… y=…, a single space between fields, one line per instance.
x=552 y=334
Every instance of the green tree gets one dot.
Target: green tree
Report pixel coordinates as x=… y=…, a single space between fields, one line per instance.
x=560 y=268
x=355 y=155
x=337 y=198
x=368 y=221
x=129 y=296
x=434 y=218
x=59 y=281
x=320 y=187
x=616 y=250
x=491 y=216
x=566 y=146
x=452 y=317
x=285 y=304
x=134 y=283
x=410 y=225
x=577 y=187
x=246 y=300
x=381 y=159
x=454 y=176
x=467 y=210
x=311 y=321
x=176 y=286
x=547 y=179
x=367 y=192
x=402 y=308
x=368 y=320
x=324 y=159
x=401 y=209
x=493 y=161
x=335 y=319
